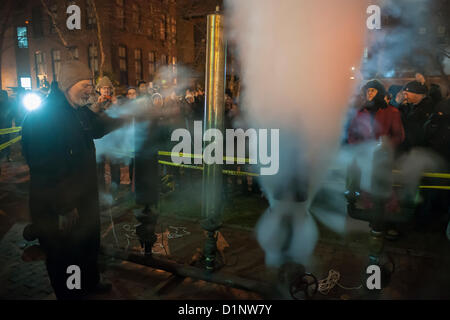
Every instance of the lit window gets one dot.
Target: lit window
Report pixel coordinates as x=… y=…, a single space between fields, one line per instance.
x=120 y=14
x=93 y=57
x=174 y=30
x=74 y=52
x=40 y=62
x=162 y=30
x=123 y=65
x=136 y=18
x=167 y=27
x=123 y=58
x=41 y=75
x=151 y=62
x=174 y=66
x=138 y=63
x=25 y=82
x=56 y=62
x=91 y=20
x=54 y=11
x=22 y=38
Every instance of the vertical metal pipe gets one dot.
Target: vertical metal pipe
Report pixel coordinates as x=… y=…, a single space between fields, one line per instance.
x=214 y=114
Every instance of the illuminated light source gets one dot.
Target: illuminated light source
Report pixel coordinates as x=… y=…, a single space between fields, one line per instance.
x=353 y=68
x=389 y=74
x=32 y=101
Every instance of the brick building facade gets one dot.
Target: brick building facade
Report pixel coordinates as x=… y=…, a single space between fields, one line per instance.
x=138 y=37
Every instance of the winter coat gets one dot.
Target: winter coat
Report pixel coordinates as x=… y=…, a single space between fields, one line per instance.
x=437 y=130
x=58 y=146
x=386 y=122
x=414 y=123
x=57 y=143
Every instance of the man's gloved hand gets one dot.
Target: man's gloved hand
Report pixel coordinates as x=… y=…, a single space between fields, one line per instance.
x=69 y=220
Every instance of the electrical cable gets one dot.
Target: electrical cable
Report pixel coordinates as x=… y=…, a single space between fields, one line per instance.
x=325 y=285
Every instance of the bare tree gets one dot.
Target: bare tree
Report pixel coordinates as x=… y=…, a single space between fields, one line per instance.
x=194 y=13
x=100 y=38
x=58 y=30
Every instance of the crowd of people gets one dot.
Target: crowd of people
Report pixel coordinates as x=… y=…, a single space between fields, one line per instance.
x=411 y=116
x=178 y=108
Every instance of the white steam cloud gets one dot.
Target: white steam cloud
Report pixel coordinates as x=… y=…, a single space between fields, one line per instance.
x=296 y=58
x=119 y=145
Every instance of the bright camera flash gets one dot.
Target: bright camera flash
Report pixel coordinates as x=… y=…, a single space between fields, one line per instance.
x=32 y=101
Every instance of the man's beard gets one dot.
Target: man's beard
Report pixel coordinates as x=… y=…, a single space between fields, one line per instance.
x=84 y=100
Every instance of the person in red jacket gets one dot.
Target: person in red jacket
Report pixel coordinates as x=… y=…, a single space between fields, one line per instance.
x=376 y=118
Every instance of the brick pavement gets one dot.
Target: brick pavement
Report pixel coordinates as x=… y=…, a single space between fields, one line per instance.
x=416 y=277
x=422 y=260
x=19 y=279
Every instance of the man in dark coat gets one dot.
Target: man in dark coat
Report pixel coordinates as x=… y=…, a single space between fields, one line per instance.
x=59 y=149
x=420 y=109
x=437 y=130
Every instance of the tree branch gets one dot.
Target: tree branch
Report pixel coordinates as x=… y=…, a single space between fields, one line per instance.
x=100 y=38
x=52 y=16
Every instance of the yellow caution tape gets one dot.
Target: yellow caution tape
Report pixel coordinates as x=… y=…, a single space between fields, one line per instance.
x=430 y=174
x=435 y=187
x=437 y=175
x=10 y=130
x=179 y=154
x=426 y=187
x=199 y=156
x=10 y=142
x=181 y=165
x=243 y=173
x=247 y=160
x=227 y=172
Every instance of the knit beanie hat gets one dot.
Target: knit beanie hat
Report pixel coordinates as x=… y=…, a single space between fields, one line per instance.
x=104 y=82
x=415 y=87
x=394 y=90
x=378 y=102
x=72 y=72
x=376 y=85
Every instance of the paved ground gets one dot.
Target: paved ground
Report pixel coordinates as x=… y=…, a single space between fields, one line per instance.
x=421 y=259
